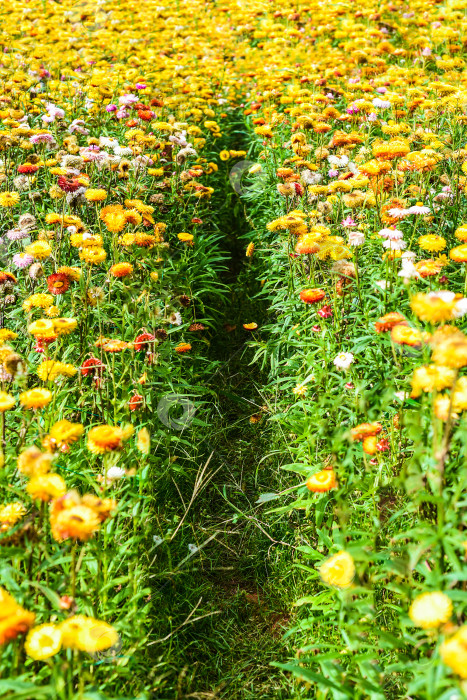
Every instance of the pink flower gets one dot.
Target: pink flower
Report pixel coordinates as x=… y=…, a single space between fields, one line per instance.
x=348 y=222
x=16 y=234
x=127 y=99
x=42 y=138
x=22 y=260
x=325 y=311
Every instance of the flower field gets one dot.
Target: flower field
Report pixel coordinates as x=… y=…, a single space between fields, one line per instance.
x=233 y=350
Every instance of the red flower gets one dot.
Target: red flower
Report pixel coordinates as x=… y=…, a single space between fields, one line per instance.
x=135 y=402
x=298 y=188
x=142 y=341
x=58 y=283
x=68 y=184
x=325 y=311
x=28 y=168
x=146 y=115
x=91 y=365
x=383 y=445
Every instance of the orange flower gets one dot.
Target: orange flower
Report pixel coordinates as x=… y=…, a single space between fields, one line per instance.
x=183 y=347
x=322 y=481
x=115 y=345
x=312 y=296
x=404 y=335
x=360 y=432
x=14 y=620
x=306 y=245
x=78 y=523
x=115 y=221
x=387 y=322
x=106 y=438
x=250 y=326
x=459 y=254
x=135 y=402
x=121 y=270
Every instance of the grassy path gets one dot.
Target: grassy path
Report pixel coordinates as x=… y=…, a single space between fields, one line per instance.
x=229 y=605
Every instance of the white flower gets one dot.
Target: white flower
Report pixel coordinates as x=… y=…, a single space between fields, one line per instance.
x=408 y=271
x=356 y=238
x=443 y=294
x=398 y=213
x=461 y=308
x=113 y=474
x=127 y=99
x=54 y=111
x=107 y=142
x=382 y=284
x=122 y=151
x=343 y=360
x=393 y=234
x=78 y=124
x=381 y=104
x=310 y=178
x=338 y=161
x=179 y=138
x=396 y=244
x=419 y=209
x=175 y=318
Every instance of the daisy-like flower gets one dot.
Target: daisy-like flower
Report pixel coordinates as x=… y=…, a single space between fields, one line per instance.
x=430 y=610
x=394 y=244
x=391 y=234
x=322 y=481
x=22 y=260
x=420 y=209
x=17 y=234
x=348 y=222
x=43 y=642
x=10 y=514
x=312 y=296
x=58 y=283
x=453 y=652
x=381 y=104
x=398 y=212
x=338 y=570
x=9 y=199
x=35 y=398
x=356 y=238
x=343 y=360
